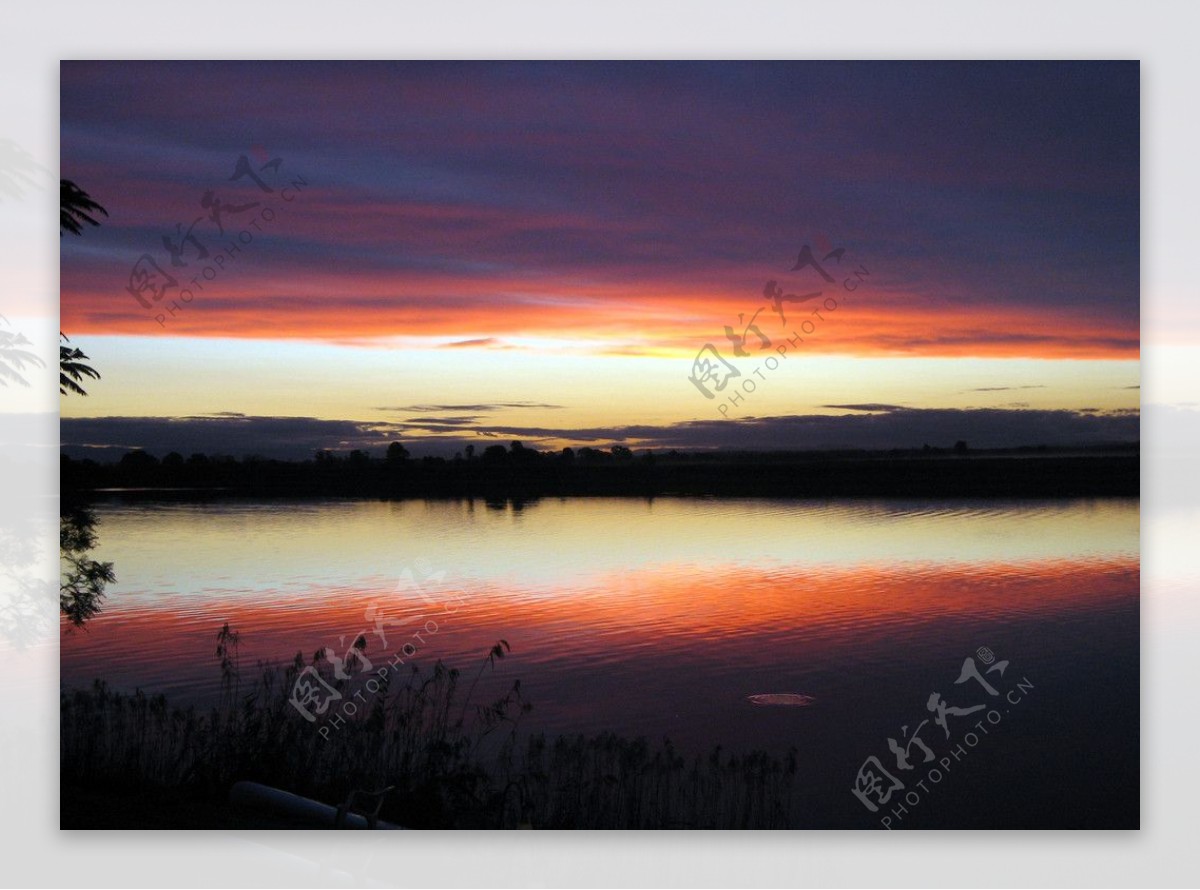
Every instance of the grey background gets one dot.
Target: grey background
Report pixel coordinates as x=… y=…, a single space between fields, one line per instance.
x=1161 y=34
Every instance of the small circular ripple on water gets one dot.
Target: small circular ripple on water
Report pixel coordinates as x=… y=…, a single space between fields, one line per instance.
x=781 y=699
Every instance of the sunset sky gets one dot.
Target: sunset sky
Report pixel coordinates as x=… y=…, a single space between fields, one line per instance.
x=451 y=254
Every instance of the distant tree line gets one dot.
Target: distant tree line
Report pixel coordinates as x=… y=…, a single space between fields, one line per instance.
x=521 y=471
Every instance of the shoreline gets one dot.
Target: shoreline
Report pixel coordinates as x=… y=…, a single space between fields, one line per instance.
x=1017 y=475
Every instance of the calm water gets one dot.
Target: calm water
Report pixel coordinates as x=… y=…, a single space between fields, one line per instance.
x=663 y=617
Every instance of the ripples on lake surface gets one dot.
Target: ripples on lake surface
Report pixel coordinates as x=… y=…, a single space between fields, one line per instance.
x=663 y=617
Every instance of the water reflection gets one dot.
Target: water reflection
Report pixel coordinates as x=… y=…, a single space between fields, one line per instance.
x=666 y=618
x=83 y=582
x=683 y=600
x=239 y=549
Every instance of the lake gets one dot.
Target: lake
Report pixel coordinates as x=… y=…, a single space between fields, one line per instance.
x=851 y=620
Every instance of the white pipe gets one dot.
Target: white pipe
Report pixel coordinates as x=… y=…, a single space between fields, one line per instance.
x=293 y=806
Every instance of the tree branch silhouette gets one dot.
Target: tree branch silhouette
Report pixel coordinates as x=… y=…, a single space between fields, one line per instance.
x=75 y=207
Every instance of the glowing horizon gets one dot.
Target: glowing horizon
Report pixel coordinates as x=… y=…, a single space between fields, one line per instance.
x=575 y=234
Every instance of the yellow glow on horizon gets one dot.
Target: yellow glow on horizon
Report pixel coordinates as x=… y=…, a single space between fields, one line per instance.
x=179 y=377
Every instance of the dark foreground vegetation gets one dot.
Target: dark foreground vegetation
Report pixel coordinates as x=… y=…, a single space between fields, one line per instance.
x=135 y=761
x=522 y=473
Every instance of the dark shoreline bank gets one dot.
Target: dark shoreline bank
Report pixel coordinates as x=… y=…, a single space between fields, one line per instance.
x=525 y=474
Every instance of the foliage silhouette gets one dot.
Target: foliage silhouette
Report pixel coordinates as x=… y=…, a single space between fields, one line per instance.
x=72 y=370
x=526 y=474
x=14 y=359
x=81 y=586
x=75 y=207
x=478 y=769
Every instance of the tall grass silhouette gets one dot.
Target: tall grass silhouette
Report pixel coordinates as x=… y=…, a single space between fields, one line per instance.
x=454 y=763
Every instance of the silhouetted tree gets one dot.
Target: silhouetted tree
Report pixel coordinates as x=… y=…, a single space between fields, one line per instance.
x=396 y=454
x=13 y=358
x=137 y=461
x=71 y=370
x=495 y=454
x=75 y=207
x=518 y=452
x=81 y=586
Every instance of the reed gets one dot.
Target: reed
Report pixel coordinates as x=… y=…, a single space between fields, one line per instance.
x=454 y=763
